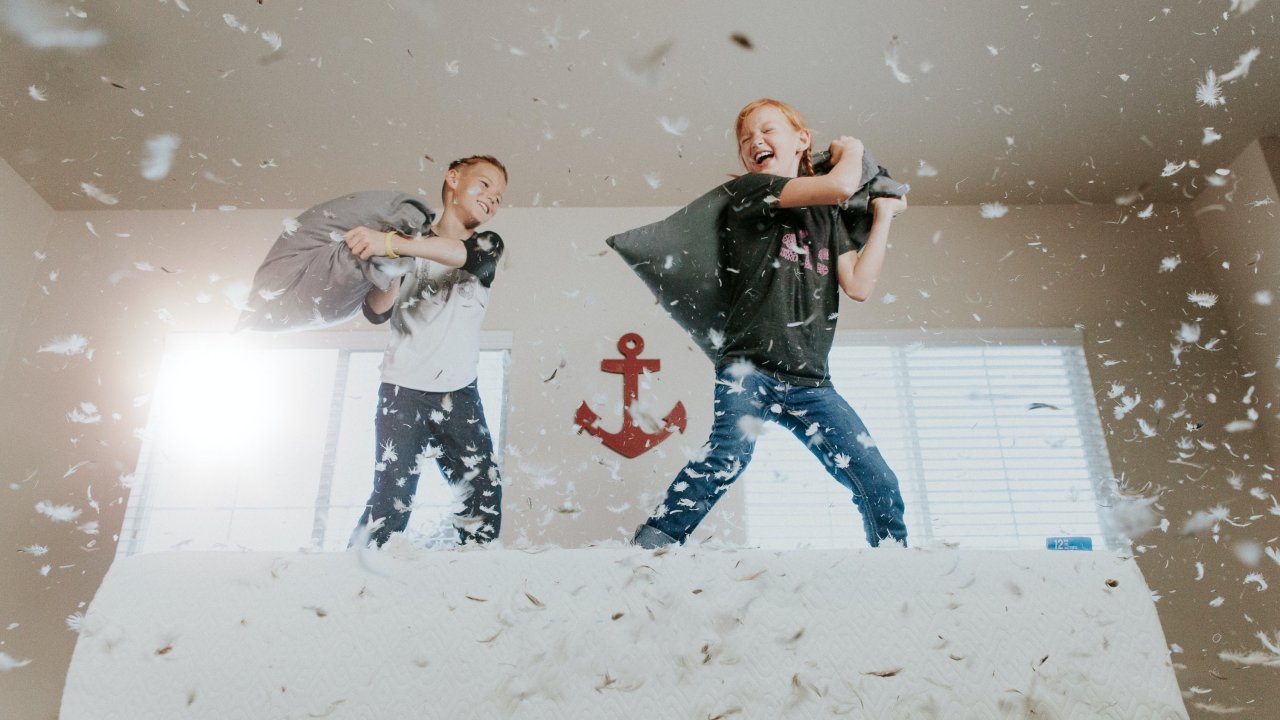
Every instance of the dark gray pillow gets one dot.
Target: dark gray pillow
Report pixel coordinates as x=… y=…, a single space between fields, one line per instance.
x=311 y=279
x=679 y=258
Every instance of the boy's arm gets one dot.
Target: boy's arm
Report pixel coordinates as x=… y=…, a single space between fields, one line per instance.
x=378 y=303
x=833 y=188
x=367 y=242
x=858 y=272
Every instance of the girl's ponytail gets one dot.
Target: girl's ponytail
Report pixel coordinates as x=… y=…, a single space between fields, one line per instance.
x=806 y=162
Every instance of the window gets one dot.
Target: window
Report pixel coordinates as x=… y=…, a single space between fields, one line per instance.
x=994 y=436
x=265 y=442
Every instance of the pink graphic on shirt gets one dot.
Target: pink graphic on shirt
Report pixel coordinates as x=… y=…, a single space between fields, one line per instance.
x=790 y=250
x=824 y=256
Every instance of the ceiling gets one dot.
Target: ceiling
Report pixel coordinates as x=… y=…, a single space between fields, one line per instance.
x=275 y=104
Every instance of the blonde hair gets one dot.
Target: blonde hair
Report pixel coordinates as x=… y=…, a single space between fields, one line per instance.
x=472 y=160
x=792 y=115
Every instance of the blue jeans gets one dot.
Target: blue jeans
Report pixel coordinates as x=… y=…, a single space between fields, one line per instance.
x=819 y=417
x=452 y=425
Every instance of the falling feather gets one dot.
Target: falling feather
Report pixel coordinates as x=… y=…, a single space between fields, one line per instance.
x=273 y=40
x=86 y=414
x=159 y=157
x=1169 y=264
x=891 y=60
x=8 y=662
x=36 y=94
x=1237 y=426
x=1209 y=92
x=1210 y=136
x=1242 y=65
x=677 y=127
x=67 y=345
x=57 y=513
x=41 y=26
x=1189 y=333
x=94 y=192
x=647 y=70
x=994 y=210
x=1203 y=299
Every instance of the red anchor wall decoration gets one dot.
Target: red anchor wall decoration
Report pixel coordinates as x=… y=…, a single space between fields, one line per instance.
x=631 y=440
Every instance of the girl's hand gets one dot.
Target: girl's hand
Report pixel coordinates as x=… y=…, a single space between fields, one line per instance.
x=844 y=144
x=891 y=205
x=366 y=242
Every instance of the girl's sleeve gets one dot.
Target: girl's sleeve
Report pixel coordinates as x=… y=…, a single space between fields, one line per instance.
x=755 y=195
x=483 y=252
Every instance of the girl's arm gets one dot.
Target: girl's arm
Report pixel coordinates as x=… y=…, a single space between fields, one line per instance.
x=833 y=188
x=858 y=273
x=367 y=242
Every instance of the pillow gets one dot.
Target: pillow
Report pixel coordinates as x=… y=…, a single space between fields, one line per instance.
x=679 y=258
x=311 y=279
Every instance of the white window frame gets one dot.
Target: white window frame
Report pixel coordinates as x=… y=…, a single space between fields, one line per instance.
x=766 y=475
x=133 y=533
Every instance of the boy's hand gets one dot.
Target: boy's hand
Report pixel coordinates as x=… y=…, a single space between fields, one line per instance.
x=366 y=242
x=844 y=144
x=891 y=205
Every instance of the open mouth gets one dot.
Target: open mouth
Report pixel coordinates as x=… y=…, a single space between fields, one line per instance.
x=761 y=157
x=483 y=206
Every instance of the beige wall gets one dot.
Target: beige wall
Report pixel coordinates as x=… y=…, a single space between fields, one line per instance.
x=25 y=218
x=565 y=298
x=1239 y=225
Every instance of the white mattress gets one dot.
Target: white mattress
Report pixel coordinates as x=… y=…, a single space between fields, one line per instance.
x=623 y=633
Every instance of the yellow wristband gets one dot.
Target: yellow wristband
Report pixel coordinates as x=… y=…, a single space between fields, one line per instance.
x=391 y=252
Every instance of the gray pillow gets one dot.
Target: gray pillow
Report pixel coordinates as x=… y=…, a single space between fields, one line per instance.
x=311 y=279
x=679 y=258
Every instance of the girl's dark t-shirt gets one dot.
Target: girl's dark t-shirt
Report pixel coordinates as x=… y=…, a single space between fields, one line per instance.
x=780 y=270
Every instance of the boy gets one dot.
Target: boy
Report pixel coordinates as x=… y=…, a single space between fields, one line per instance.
x=428 y=403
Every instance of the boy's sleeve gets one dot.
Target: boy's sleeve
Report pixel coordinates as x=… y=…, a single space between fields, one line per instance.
x=483 y=252
x=375 y=318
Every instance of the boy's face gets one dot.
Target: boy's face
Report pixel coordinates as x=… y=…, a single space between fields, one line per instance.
x=477 y=191
x=768 y=143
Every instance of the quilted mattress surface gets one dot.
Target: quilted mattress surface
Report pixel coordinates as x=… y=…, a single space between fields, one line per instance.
x=622 y=633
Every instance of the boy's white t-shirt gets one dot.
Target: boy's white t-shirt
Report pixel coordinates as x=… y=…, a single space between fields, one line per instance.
x=435 y=323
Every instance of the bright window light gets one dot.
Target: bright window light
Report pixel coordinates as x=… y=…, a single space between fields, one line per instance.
x=266 y=443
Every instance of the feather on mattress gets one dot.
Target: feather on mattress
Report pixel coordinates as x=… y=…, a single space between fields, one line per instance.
x=622 y=633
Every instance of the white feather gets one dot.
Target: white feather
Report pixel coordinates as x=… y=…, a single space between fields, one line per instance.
x=273 y=39
x=94 y=192
x=676 y=127
x=994 y=210
x=1209 y=92
x=1203 y=299
x=159 y=157
x=66 y=345
x=41 y=26
x=57 y=513
x=8 y=662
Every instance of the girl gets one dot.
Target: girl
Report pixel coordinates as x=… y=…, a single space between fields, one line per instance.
x=787 y=255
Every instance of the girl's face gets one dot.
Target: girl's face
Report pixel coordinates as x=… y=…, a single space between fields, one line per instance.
x=769 y=143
